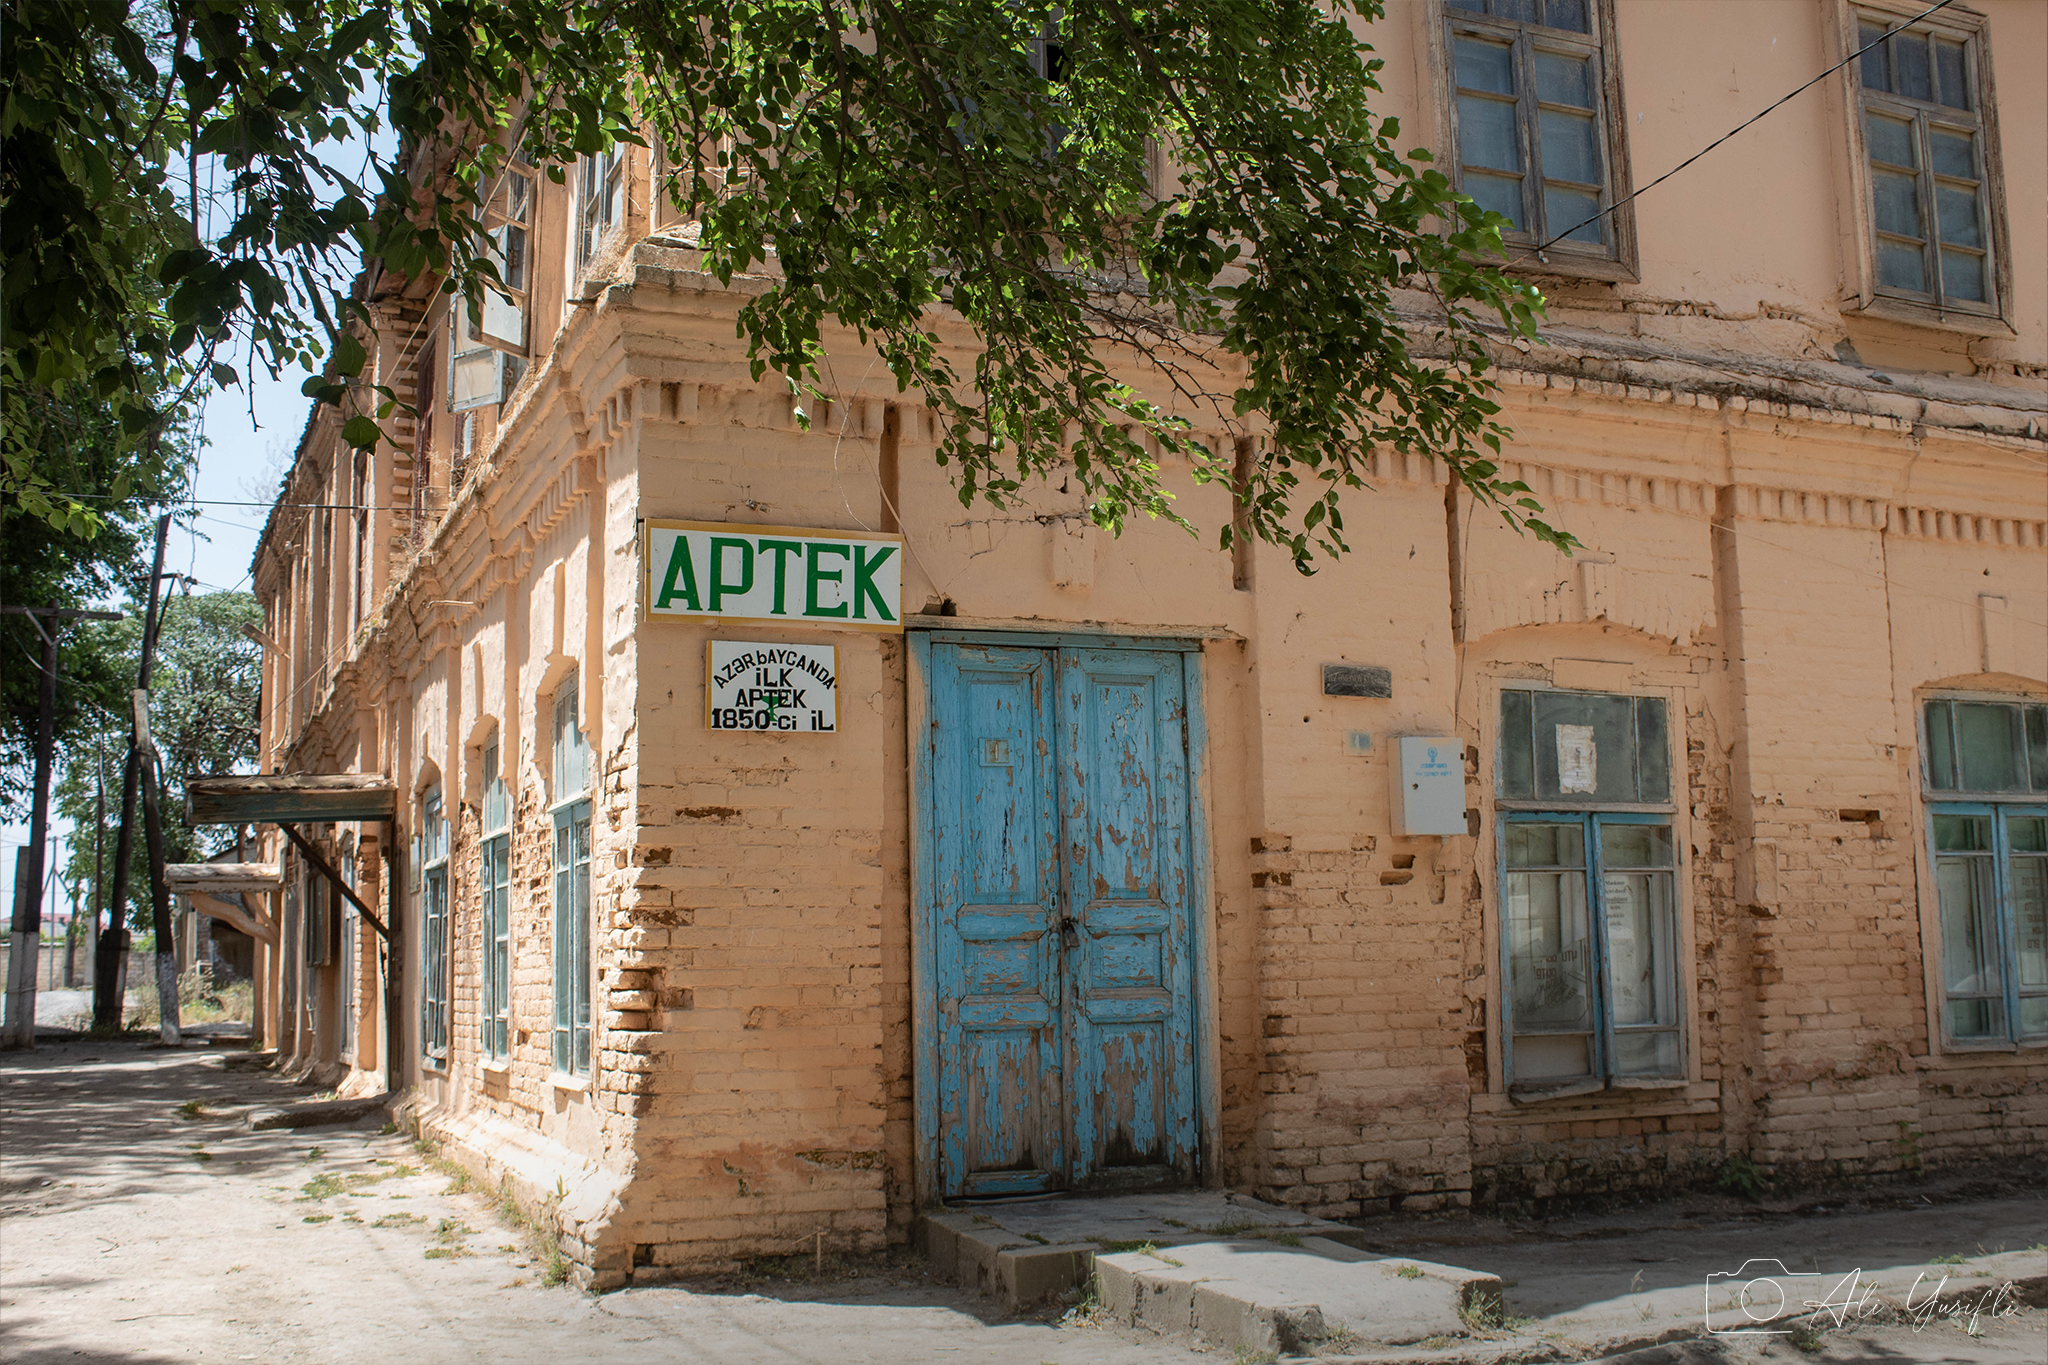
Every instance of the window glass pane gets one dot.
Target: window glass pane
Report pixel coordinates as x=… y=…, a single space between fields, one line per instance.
x=2030 y=921
x=1898 y=204
x=2026 y=833
x=1941 y=758
x=1585 y=746
x=1549 y=961
x=1575 y=210
x=1533 y=845
x=2037 y=747
x=1969 y=944
x=1962 y=833
x=1948 y=70
x=1976 y=1018
x=1475 y=6
x=1552 y=1057
x=1653 y=751
x=2033 y=1015
x=1916 y=77
x=1986 y=734
x=1873 y=57
x=1891 y=141
x=1485 y=66
x=1962 y=275
x=1571 y=150
x=1646 y=1054
x=1567 y=14
x=1634 y=845
x=1955 y=212
x=1523 y=11
x=1562 y=79
x=1486 y=134
x=1639 y=976
x=1499 y=193
x=1517 y=776
x=1901 y=267
x=1954 y=154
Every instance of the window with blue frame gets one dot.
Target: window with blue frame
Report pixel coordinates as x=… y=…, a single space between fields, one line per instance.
x=1589 y=898
x=1986 y=772
x=494 y=875
x=572 y=1035
x=434 y=927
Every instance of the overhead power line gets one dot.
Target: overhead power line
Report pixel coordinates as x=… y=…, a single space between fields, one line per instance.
x=1541 y=247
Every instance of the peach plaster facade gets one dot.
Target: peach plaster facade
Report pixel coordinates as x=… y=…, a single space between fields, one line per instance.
x=1792 y=550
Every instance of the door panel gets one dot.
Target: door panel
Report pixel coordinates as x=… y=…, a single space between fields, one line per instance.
x=1130 y=989
x=996 y=857
x=1060 y=901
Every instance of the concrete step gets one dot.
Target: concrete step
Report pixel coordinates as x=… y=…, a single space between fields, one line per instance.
x=1262 y=1296
x=1026 y=1252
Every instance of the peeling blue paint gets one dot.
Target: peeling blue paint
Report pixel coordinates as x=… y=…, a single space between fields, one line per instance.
x=1056 y=899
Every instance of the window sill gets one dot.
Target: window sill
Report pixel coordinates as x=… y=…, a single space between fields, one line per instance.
x=1522 y=1094
x=495 y=1070
x=1917 y=314
x=1561 y=265
x=1990 y=1050
x=572 y=1085
x=437 y=1065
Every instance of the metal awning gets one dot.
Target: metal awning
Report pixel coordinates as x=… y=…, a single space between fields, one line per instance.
x=223 y=879
x=311 y=798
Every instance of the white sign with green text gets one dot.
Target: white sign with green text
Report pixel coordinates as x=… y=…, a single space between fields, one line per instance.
x=847 y=580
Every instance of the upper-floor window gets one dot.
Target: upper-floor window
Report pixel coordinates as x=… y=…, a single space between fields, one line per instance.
x=600 y=201
x=1536 y=121
x=487 y=355
x=1986 y=771
x=1923 y=125
x=1588 y=893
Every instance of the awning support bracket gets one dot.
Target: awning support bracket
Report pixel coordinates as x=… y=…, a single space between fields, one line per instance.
x=321 y=865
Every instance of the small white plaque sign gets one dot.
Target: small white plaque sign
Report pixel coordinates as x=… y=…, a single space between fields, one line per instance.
x=787 y=689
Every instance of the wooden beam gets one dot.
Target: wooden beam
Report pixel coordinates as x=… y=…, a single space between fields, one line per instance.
x=224 y=878
x=321 y=865
x=316 y=798
x=230 y=913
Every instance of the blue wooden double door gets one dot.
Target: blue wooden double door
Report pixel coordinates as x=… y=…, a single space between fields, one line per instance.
x=1058 y=901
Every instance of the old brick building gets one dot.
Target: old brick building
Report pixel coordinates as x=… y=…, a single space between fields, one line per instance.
x=1111 y=867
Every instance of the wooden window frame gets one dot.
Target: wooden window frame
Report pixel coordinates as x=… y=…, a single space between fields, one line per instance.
x=1618 y=263
x=573 y=1051
x=1603 y=1078
x=601 y=204
x=436 y=941
x=2026 y=802
x=1868 y=297
x=494 y=883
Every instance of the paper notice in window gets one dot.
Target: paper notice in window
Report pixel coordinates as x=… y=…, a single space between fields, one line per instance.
x=1576 y=760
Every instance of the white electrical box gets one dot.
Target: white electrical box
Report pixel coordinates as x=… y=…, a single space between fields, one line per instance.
x=1429 y=785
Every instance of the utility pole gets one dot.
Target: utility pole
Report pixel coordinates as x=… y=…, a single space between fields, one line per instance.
x=20 y=1024
x=159 y=885
x=108 y=985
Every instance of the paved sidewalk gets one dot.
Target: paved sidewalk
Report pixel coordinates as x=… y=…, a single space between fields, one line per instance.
x=142 y=1223
x=132 y=1232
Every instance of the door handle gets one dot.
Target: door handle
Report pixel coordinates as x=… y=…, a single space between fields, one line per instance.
x=1070 y=932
